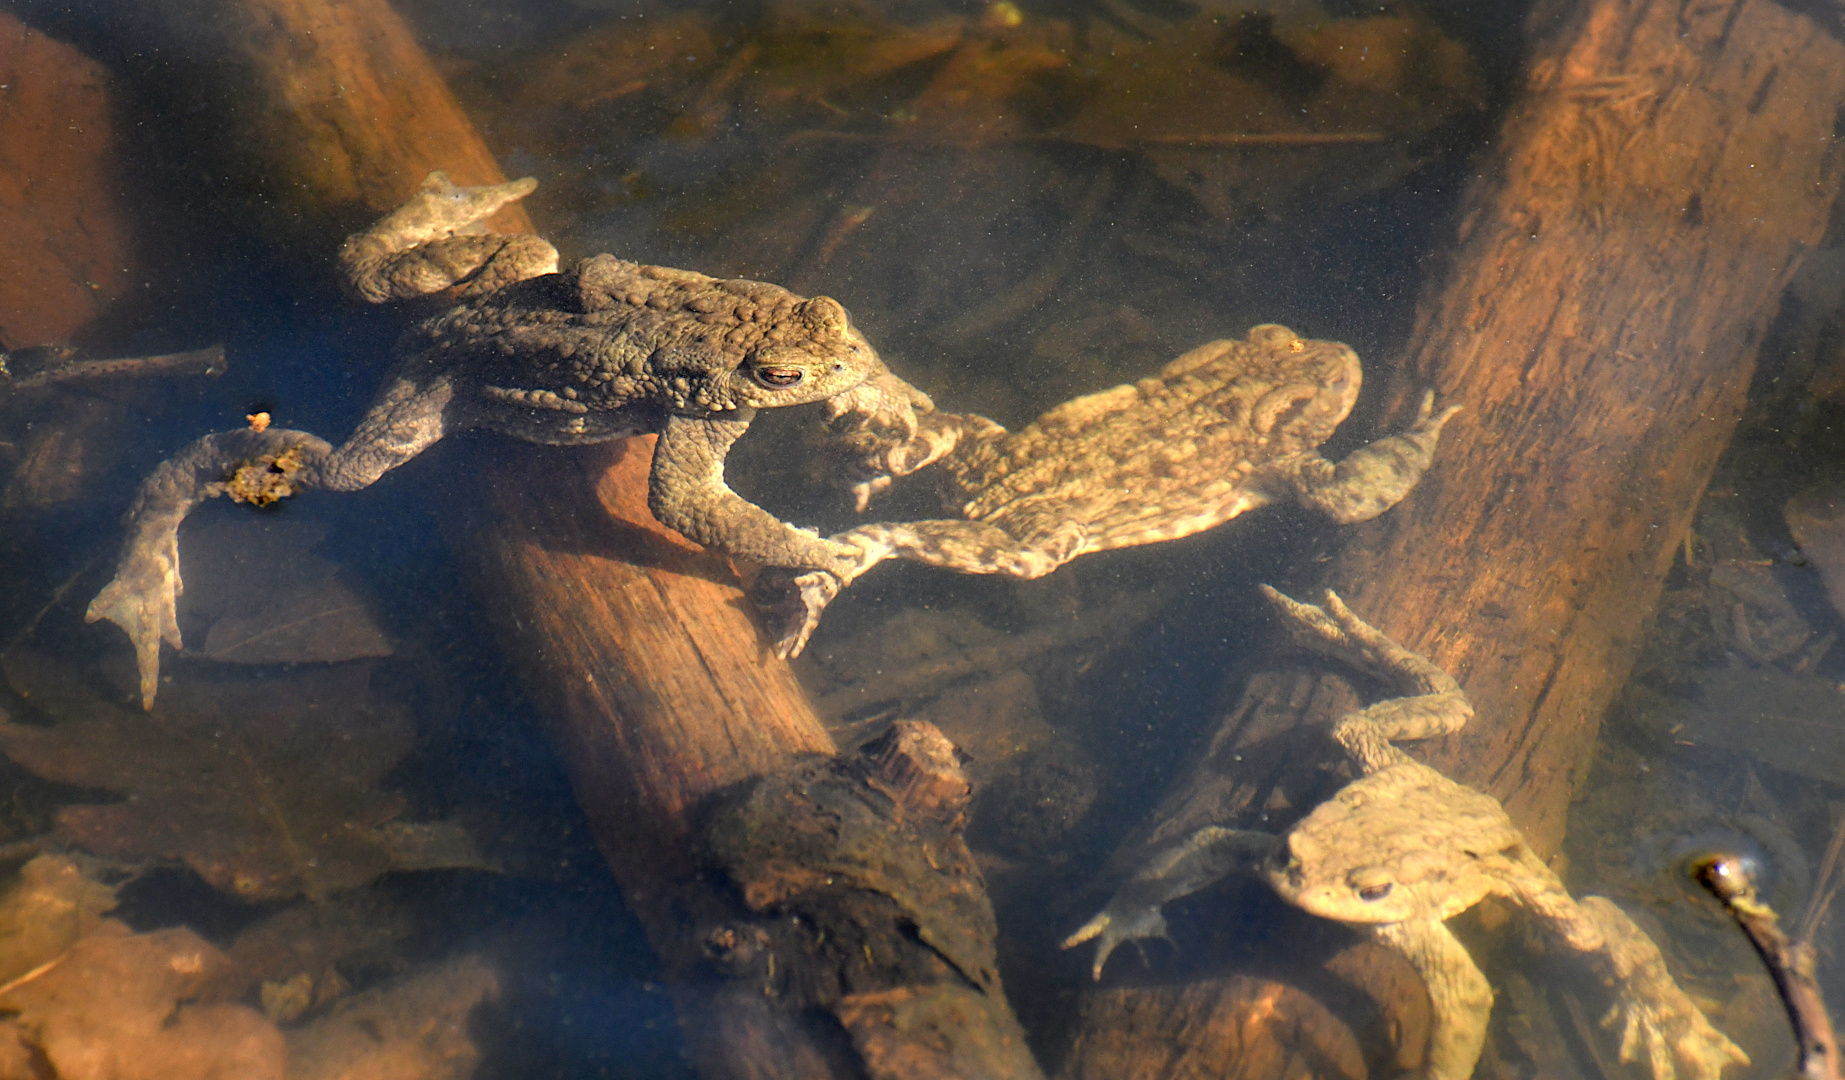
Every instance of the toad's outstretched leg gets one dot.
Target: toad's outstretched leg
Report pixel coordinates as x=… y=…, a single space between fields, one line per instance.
x=432 y=242
x=256 y=467
x=144 y=595
x=1461 y=997
x=1176 y=870
x=796 y=595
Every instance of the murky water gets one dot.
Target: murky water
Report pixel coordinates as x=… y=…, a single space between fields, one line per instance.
x=346 y=801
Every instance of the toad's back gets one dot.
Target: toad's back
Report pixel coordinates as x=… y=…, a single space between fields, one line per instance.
x=1170 y=455
x=608 y=334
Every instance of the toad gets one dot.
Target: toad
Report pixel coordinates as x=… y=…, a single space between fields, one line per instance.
x=1403 y=848
x=603 y=349
x=1225 y=428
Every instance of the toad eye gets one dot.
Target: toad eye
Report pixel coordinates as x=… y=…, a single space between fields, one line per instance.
x=1370 y=885
x=778 y=378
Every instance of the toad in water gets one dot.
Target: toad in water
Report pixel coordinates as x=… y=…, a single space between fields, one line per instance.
x=1402 y=849
x=1225 y=428
x=603 y=349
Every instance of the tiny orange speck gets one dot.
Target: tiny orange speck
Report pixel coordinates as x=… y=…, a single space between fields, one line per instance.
x=258 y=421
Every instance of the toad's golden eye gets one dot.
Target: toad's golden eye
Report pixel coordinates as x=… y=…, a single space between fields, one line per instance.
x=778 y=378
x=1370 y=883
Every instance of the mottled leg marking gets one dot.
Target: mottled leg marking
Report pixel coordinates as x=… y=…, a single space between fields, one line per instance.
x=143 y=598
x=1373 y=478
x=972 y=547
x=1460 y=996
x=1659 y=1024
x=1180 y=869
x=795 y=599
x=436 y=241
x=1432 y=702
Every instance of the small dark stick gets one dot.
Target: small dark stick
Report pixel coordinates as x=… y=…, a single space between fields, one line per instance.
x=1789 y=962
x=31 y=368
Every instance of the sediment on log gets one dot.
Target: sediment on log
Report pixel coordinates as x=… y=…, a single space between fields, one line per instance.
x=661 y=692
x=1619 y=257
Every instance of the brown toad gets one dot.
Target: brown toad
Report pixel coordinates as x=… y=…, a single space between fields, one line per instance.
x=1402 y=849
x=1225 y=428
x=604 y=349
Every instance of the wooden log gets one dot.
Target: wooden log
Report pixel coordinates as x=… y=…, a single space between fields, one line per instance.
x=659 y=688
x=1620 y=255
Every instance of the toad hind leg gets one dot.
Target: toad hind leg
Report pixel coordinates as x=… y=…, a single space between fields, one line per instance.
x=1431 y=702
x=143 y=597
x=256 y=467
x=796 y=598
x=1461 y=999
x=436 y=241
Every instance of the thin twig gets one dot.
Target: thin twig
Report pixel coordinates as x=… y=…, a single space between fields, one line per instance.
x=57 y=596
x=1825 y=887
x=1790 y=963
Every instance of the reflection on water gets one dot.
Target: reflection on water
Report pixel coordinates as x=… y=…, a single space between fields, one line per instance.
x=342 y=839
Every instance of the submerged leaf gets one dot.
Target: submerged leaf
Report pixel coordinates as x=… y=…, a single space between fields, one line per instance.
x=266 y=787
x=266 y=599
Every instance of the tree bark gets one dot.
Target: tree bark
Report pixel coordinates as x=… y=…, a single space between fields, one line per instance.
x=1621 y=253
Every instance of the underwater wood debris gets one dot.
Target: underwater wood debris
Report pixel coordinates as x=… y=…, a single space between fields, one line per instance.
x=267 y=788
x=1791 y=963
x=1193 y=96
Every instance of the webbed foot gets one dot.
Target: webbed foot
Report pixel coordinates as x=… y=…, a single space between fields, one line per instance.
x=251 y=466
x=1432 y=702
x=792 y=601
x=437 y=241
x=1659 y=1023
x=1673 y=1044
x=1115 y=925
x=144 y=601
x=1335 y=630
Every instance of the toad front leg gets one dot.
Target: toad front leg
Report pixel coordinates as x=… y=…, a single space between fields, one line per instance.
x=1659 y=1025
x=1460 y=998
x=1373 y=478
x=687 y=493
x=1133 y=913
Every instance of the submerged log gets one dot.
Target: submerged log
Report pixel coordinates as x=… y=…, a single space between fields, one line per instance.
x=659 y=689
x=1620 y=255
x=817 y=916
